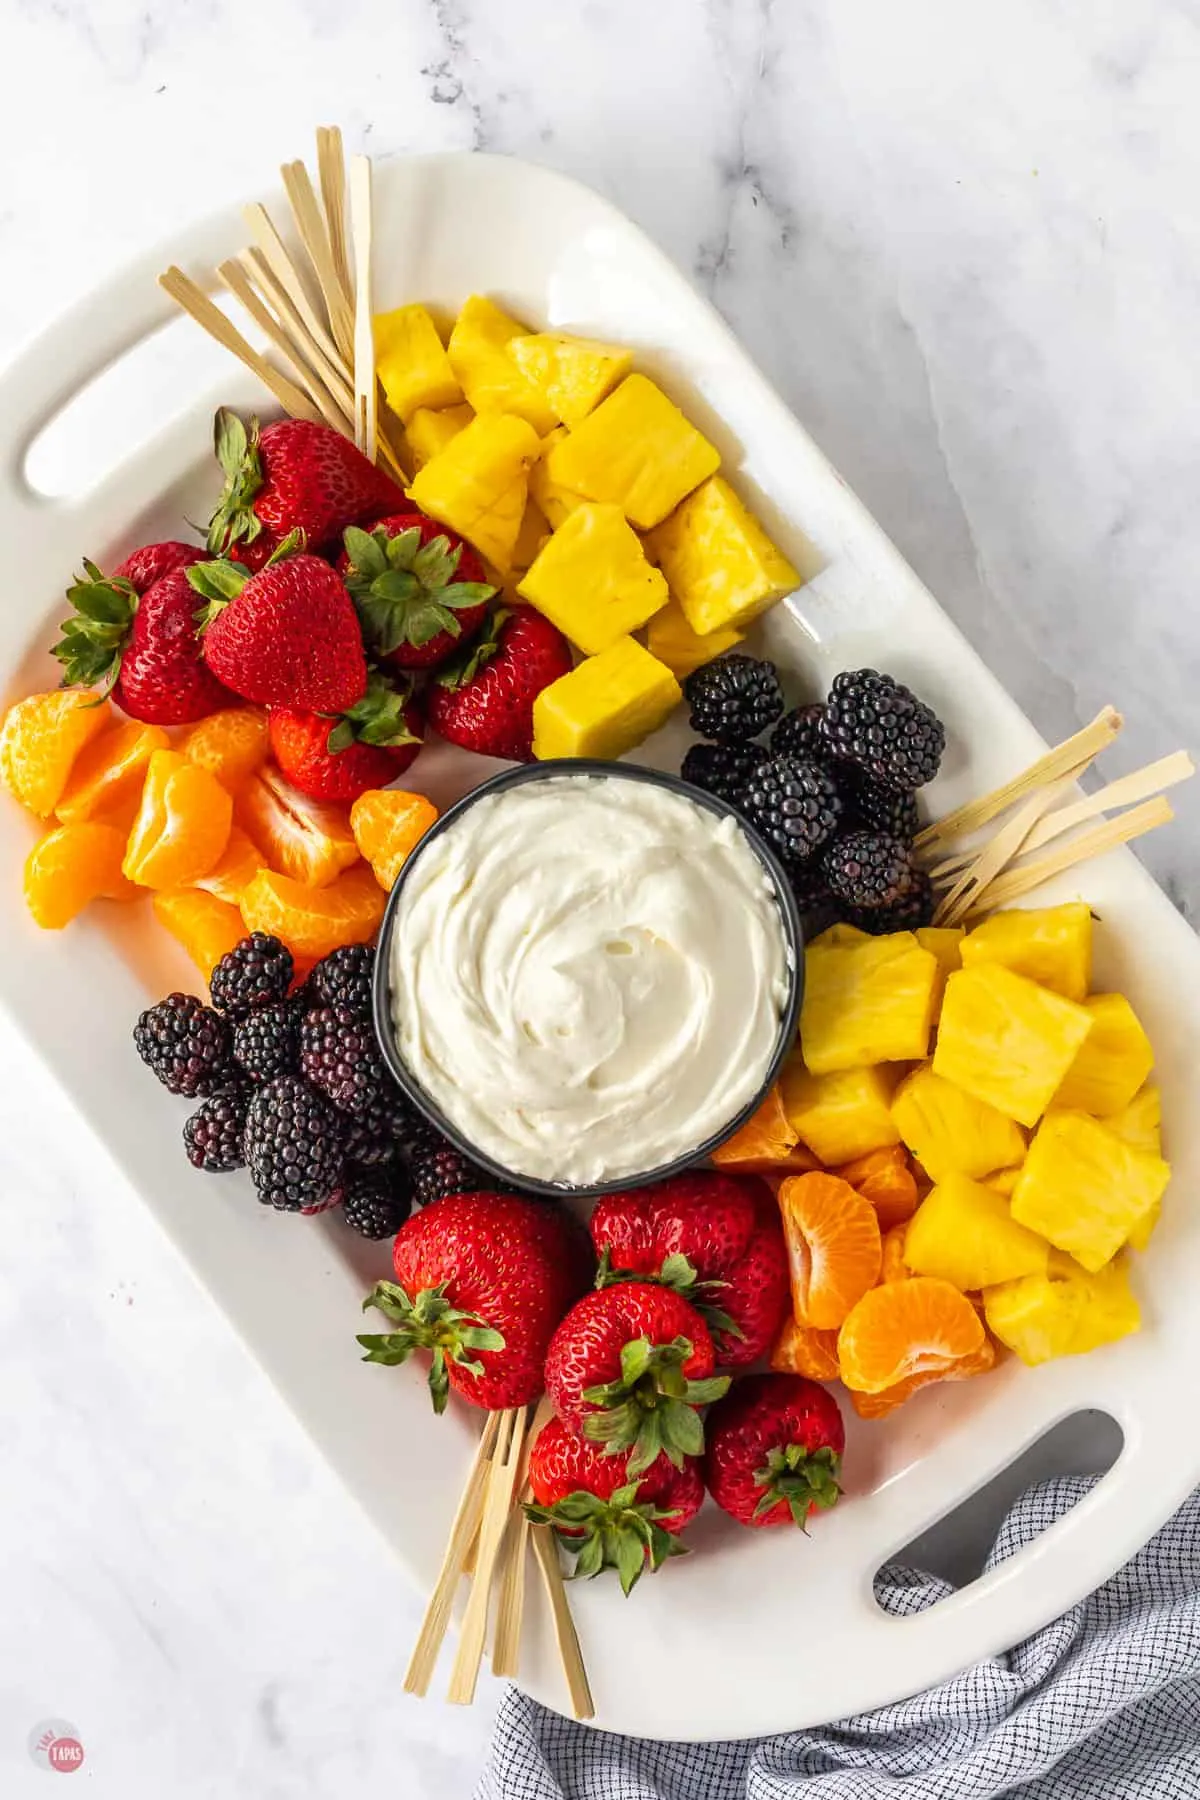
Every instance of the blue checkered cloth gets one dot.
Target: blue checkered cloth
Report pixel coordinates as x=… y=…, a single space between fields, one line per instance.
x=1102 y=1705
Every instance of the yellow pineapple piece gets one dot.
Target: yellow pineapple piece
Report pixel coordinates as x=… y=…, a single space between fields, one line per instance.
x=950 y=1131
x=638 y=451
x=721 y=566
x=1064 y=1312
x=964 y=1232
x=839 y=935
x=869 y=1001
x=945 y=942
x=491 y=380
x=1006 y=1040
x=592 y=580
x=411 y=363
x=532 y=538
x=1004 y=1181
x=672 y=640
x=556 y=501
x=1084 y=1188
x=573 y=374
x=428 y=431
x=1113 y=1063
x=1140 y=1123
x=1141 y=1232
x=478 y=485
x=605 y=706
x=843 y=1116
x=1051 y=945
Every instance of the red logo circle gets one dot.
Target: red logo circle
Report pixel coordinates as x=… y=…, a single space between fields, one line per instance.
x=65 y=1754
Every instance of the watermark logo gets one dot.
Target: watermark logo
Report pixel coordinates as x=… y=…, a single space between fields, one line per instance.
x=54 y=1744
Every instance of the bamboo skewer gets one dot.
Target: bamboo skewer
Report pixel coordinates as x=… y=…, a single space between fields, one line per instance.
x=313 y=235
x=331 y=170
x=462 y=1534
x=364 y=341
x=334 y=374
x=567 y=1638
x=194 y=301
x=506 y=1643
x=236 y=280
x=997 y=854
x=274 y=252
x=1106 y=836
x=501 y=1487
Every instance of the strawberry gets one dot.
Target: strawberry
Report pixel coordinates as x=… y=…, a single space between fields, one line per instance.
x=420 y=591
x=607 y=1519
x=713 y=1238
x=628 y=1367
x=484 y=699
x=289 y=476
x=134 y=633
x=287 y=636
x=481 y=1281
x=774 y=1450
x=371 y=744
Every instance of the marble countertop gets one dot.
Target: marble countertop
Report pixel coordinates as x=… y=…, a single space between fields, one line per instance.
x=965 y=247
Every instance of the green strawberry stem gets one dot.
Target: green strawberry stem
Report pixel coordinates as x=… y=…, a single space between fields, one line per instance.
x=803 y=1478
x=679 y=1273
x=621 y=1533
x=651 y=1409
x=235 y=521
x=431 y=1323
x=467 y=662
x=220 y=581
x=378 y=718
x=94 y=638
x=405 y=590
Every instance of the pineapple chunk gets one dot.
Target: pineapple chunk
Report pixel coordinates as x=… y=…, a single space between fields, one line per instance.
x=1140 y=1123
x=557 y=502
x=672 y=640
x=491 y=380
x=722 y=567
x=1051 y=945
x=410 y=362
x=951 y=1132
x=592 y=579
x=964 y=1233
x=1084 y=1189
x=605 y=706
x=1006 y=1040
x=638 y=451
x=1065 y=1312
x=836 y=937
x=478 y=485
x=1141 y=1233
x=870 y=1001
x=573 y=374
x=842 y=1116
x=428 y=432
x=1004 y=1181
x=944 y=942
x=1115 y=1060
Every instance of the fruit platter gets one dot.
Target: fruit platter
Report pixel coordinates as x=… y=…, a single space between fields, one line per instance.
x=613 y=959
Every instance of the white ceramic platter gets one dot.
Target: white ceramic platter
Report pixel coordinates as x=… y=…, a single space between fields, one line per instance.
x=755 y=1632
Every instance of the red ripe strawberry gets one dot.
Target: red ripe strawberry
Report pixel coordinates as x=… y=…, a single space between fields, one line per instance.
x=607 y=1519
x=481 y=1281
x=287 y=636
x=369 y=746
x=713 y=1238
x=484 y=701
x=289 y=476
x=774 y=1450
x=134 y=634
x=628 y=1367
x=420 y=591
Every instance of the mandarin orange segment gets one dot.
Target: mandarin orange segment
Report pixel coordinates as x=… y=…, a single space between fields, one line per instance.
x=877 y=1406
x=239 y=864
x=230 y=744
x=314 y=921
x=205 y=926
x=108 y=773
x=892 y=1266
x=310 y=840
x=388 y=824
x=917 y=1327
x=833 y=1245
x=766 y=1141
x=40 y=740
x=72 y=866
x=886 y=1180
x=803 y=1350
x=182 y=826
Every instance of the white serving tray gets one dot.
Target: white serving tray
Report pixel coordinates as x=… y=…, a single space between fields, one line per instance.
x=756 y=1632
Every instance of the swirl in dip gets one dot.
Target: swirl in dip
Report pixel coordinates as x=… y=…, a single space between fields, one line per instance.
x=587 y=975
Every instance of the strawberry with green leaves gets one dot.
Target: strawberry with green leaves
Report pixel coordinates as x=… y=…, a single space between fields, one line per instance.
x=774 y=1450
x=420 y=590
x=483 y=698
x=367 y=746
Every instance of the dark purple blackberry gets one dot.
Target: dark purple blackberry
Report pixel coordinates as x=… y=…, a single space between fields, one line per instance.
x=910 y=911
x=869 y=872
x=293 y=1146
x=878 y=808
x=881 y=727
x=377 y=1201
x=795 y=806
x=722 y=769
x=420 y=1139
x=186 y=1044
x=256 y=972
x=733 y=698
x=340 y=1054
x=343 y=979
x=798 y=733
x=212 y=1136
x=445 y=1171
x=267 y=1041
x=382 y=1130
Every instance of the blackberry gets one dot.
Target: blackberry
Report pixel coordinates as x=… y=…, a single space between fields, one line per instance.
x=340 y=1054
x=186 y=1044
x=293 y=1146
x=267 y=1041
x=882 y=728
x=733 y=698
x=794 y=804
x=910 y=911
x=379 y=1133
x=869 y=872
x=377 y=1202
x=212 y=1136
x=879 y=808
x=798 y=733
x=445 y=1171
x=343 y=978
x=722 y=769
x=256 y=972
x=420 y=1139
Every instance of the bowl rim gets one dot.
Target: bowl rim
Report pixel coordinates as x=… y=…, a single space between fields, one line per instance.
x=521 y=775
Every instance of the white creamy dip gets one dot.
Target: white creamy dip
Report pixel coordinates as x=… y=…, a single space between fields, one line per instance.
x=588 y=975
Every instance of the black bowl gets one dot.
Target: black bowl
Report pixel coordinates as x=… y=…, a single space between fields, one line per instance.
x=793 y=934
